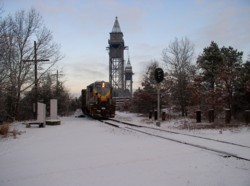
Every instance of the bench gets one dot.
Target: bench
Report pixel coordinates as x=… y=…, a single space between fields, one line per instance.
x=40 y=125
x=53 y=122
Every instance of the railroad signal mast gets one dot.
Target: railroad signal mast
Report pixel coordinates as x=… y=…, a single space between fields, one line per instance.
x=159 y=76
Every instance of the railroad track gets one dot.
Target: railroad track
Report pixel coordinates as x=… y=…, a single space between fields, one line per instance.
x=223 y=148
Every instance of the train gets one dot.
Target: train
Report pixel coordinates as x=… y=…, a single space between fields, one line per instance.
x=97 y=100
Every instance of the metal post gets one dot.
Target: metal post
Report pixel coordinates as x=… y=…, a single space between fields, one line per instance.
x=159 y=76
x=57 y=84
x=36 y=83
x=158 y=105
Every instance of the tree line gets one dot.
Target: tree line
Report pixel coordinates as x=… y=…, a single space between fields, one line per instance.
x=218 y=80
x=17 y=35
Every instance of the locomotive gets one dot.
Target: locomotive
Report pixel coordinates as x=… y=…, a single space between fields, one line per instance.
x=97 y=100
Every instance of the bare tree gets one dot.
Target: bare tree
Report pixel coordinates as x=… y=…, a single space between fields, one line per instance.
x=3 y=73
x=18 y=37
x=177 y=57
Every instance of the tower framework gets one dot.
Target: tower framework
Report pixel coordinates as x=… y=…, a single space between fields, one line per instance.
x=118 y=74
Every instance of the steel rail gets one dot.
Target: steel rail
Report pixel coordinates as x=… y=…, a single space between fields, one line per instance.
x=224 y=153
x=173 y=132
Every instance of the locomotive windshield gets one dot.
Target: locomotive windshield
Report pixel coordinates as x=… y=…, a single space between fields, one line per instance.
x=102 y=87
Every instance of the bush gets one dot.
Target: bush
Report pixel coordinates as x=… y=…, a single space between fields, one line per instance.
x=4 y=130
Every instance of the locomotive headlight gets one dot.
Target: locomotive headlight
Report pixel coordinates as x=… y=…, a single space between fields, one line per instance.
x=103 y=85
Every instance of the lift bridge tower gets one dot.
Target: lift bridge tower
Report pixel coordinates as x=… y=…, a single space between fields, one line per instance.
x=128 y=78
x=120 y=77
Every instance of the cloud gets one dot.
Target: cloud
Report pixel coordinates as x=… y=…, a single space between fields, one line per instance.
x=226 y=23
x=231 y=25
x=79 y=76
x=53 y=7
x=93 y=16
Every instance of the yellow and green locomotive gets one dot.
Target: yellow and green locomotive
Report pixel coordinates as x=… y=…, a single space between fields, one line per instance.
x=97 y=100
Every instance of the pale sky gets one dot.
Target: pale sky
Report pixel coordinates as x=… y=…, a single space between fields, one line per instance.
x=82 y=29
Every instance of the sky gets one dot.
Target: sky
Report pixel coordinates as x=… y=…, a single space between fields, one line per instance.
x=82 y=28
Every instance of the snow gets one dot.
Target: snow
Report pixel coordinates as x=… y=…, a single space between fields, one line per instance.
x=82 y=151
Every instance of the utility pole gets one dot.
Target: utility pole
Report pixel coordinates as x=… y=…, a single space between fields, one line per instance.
x=57 y=82
x=35 y=60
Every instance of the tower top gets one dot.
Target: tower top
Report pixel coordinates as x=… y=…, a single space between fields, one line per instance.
x=128 y=63
x=128 y=67
x=116 y=27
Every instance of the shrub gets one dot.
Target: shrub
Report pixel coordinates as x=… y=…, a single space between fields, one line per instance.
x=4 y=130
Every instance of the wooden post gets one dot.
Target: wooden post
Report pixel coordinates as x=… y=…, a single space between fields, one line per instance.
x=163 y=116
x=198 y=116
x=36 y=79
x=247 y=116
x=150 y=114
x=227 y=116
x=155 y=114
x=211 y=115
x=57 y=82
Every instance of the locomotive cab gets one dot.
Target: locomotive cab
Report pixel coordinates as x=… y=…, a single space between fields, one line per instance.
x=99 y=100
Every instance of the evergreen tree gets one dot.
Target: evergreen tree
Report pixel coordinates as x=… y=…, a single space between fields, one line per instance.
x=221 y=69
x=241 y=96
x=229 y=73
x=210 y=62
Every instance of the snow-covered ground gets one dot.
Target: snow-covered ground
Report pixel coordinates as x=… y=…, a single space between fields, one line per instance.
x=82 y=151
x=239 y=135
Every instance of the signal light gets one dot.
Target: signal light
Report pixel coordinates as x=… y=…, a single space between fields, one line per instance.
x=159 y=75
